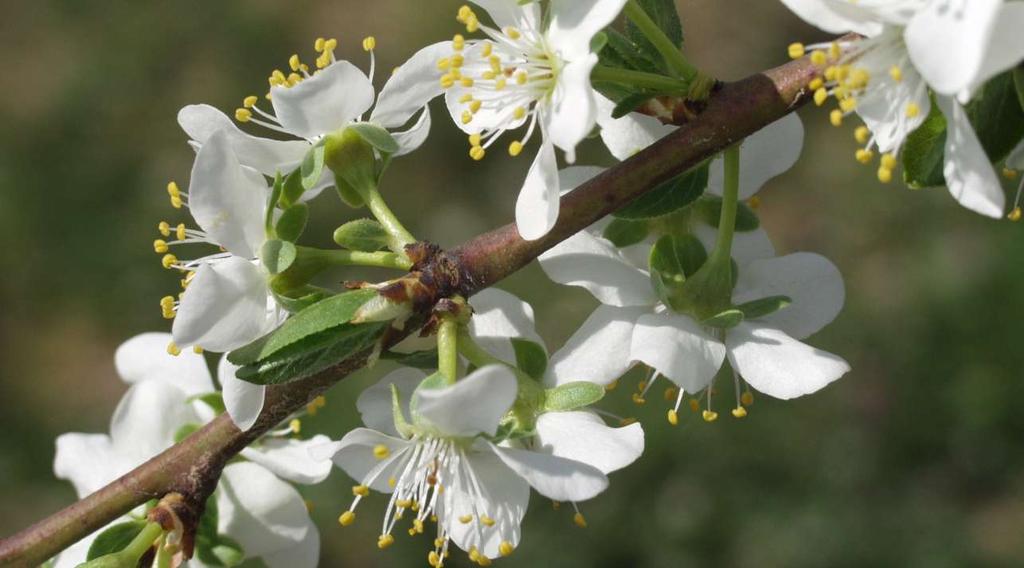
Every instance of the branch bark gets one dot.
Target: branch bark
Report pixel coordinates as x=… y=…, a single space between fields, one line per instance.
x=193 y=466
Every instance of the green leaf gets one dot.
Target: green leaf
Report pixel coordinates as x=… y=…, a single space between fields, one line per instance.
x=376 y=136
x=312 y=166
x=764 y=306
x=426 y=359
x=664 y=14
x=531 y=358
x=275 y=196
x=571 y=396
x=709 y=208
x=212 y=399
x=630 y=103
x=923 y=152
x=622 y=52
x=1018 y=81
x=598 y=42
x=277 y=255
x=292 y=188
x=226 y=551
x=214 y=549
x=298 y=299
x=363 y=235
x=322 y=316
x=724 y=320
x=292 y=222
x=185 y=431
x=207 y=527
x=997 y=116
x=668 y=197
x=115 y=538
x=623 y=232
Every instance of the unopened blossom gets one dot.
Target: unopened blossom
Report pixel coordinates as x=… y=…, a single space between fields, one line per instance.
x=532 y=73
x=950 y=47
x=256 y=505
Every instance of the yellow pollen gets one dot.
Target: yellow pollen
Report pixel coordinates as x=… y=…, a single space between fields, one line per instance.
x=467 y=82
x=836 y=117
x=293 y=62
x=848 y=105
x=860 y=78
x=243 y=115
x=487 y=49
x=816 y=84
x=474 y=106
x=464 y=519
x=519 y=113
x=391 y=482
x=458 y=60
x=403 y=503
x=179 y=231
x=458 y=42
x=173 y=349
x=1016 y=214
x=512 y=32
x=820 y=96
x=160 y=246
x=444 y=63
x=447 y=80
x=521 y=78
x=819 y=58
x=165 y=228
x=417 y=526
x=318 y=44
x=474 y=139
x=884 y=175
x=831 y=72
x=250 y=101
x=754 y=201
x=167 y=302
x=466 y=98
x=889 y=161
x=611 y=386
x=433 y=559
x=169 y=260
x=896 y=73
x=747 y=398
x=369 y=43
x=580 y=520
x=1009 y=173
x=710 y=415
x=638 y=399
x=197 y=350
x=330 y=45
x=515 y=148
x=505 y=548
x=739 y=412
x=477 y=153
x=487 y=521
x=172 y=189
x=500 y=84
x=864 y=156
x=467 y=117
x=673 y=417
x=488 y=75
x=360 y=490
x=483 y=560
x=295 y=425
x=796 y=50
x=384 y=541
x=913 y=110
x=834 y=51
x=861 y=134
x=278 y=76
x=294 y=79
x=347 y=518
x=380 y=451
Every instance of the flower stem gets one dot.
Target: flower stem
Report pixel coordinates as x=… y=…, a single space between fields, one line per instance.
x=730 y=201
x=675 y=59
x=375 y=203
x=359 y=258
x=448 y=348
x=142 y=541
x=639 y=79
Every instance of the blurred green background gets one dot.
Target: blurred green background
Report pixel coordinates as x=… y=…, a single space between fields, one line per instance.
x=915 y=458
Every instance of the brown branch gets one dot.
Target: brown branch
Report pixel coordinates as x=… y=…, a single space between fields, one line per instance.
x=193 y=466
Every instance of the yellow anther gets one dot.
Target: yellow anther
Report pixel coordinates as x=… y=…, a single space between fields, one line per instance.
x=816 y=84
x=293 y=62
x=403 y=503
x=860 y=78
x=482 y=560
x=512 y=32
x=472 y=25
x=295 y=425
x=347 y=518
x=167 y=302
x=466 y=98
x=747 y=398
x=467 y=82
x=477 y=153
x=500 y=83
x=475 y=139
x=836 y=117
x=505 y=548
x=278 y=76
x=709 y=415
x=330 y=45
x=179 y=231
x=488 y=75
x=465 y=519
x=861 y=134
x=173 y=349
x=842 y=72
x=167 y=314
x=391 y=482
x=360 y=490
x=896 y=73
x=322 y=61
x=319 y=44
x=165 y=228
x=627 y=421
x=834 y=51
x=864 y=156
x=638 y=399
x=831 y=72
x=467 y=117
x=819 y=58
x=796 y=50
x=487 y=49
x=515 y=148
x=458 y=42
x=434 y=559
x=739 y=412
x=474 y=106
x=197 y=350
x=250 y=101
x=444 y=63
x=580 y=520
x=519 y=113
x=913 y=110
x=384 y=541
x=848 y=105
x=458 y=60
x=173 y=190
x=160 y=246
x=673 y=417
x=487 y=521
x=369 y=43
x=243 y=115
x=169 y=260
x=889 y=161
x=293 y=79
x=417 y=526
x=884 y=175
x=820 y=96
x=521 y=78
x=464 y=13
x=447 y=81
x=380 y=451
x=611 y=386
x=1016 y=214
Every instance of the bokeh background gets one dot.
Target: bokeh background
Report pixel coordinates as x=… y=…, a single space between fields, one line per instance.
x=913 y=459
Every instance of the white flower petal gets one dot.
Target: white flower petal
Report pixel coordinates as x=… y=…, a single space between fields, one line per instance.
x=354 y=454
x=499 y=316
x=327 y=101
x=764 y=155
x=746 y=246
x=884 y=107
x=510 y=13
x=584 y=437
x=947 y=43
x=290 y=459
x=504 y=499
x=599 y=352
x=224 y=307
x=145 y=358
x=264 y=155
x=835 y=16
x=574 y=110
x=971 y=179
x=678 y=348
x=596 y=265
x=811 y=281
x=537 y=205
x=304 y=554
x=1016 y=158
x=88 y=461
x=261 y=512
x=411 y=139
x=243 y=400
x=1005 y=47
x=626 y=136
x=556 y=478
x=574 y=24
x=778 y=365
x=411 y=87
x=146 y=419
x=471 y=406
x=375 y=406
x=226 y=202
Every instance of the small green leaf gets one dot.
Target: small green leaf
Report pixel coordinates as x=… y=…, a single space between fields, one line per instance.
x=298 y=299
x=275 y=196
x=363 y=235
x=709 y=208
x=763 y=306
x=724 y=320
x=531 y=358
x=623 y=232
x=292 y=188
x=572 y=396
x=292 y=222
x=426 y=359
x=397 y=414
x=277 y=255
x=668 y=197
x=376 y=136
x=997 y=116
x=664 y=13
x=115 y=538
x=312 y=166
x=620 y=51
x=923 y=152
x=349 y=196
x=185 y=431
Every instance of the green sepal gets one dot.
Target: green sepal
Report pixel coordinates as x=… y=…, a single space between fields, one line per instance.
x=709 y=209
x=185 y=431
x=624 y=232
x=402 y=426
x=351 y=157
x=763 y=306
x=426 y=359
x=727 y=319
x=671 y=261
x=312 y=166
x=364 y=235
x=668 y=197
x=298 y=299
x=376 y=136
x=708 y=292
x=572 y=396
x=275 y=196
x=277 y=255
x=531 y=358
x=114 y=540
x=434 y=381
x=292 y=189
x=292 y=222
x=349 y=196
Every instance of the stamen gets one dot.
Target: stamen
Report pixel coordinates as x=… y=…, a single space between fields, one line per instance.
x=380 y=451
x=347 y=518
x=796 y=50
x=369 y=43
x=173 y=349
